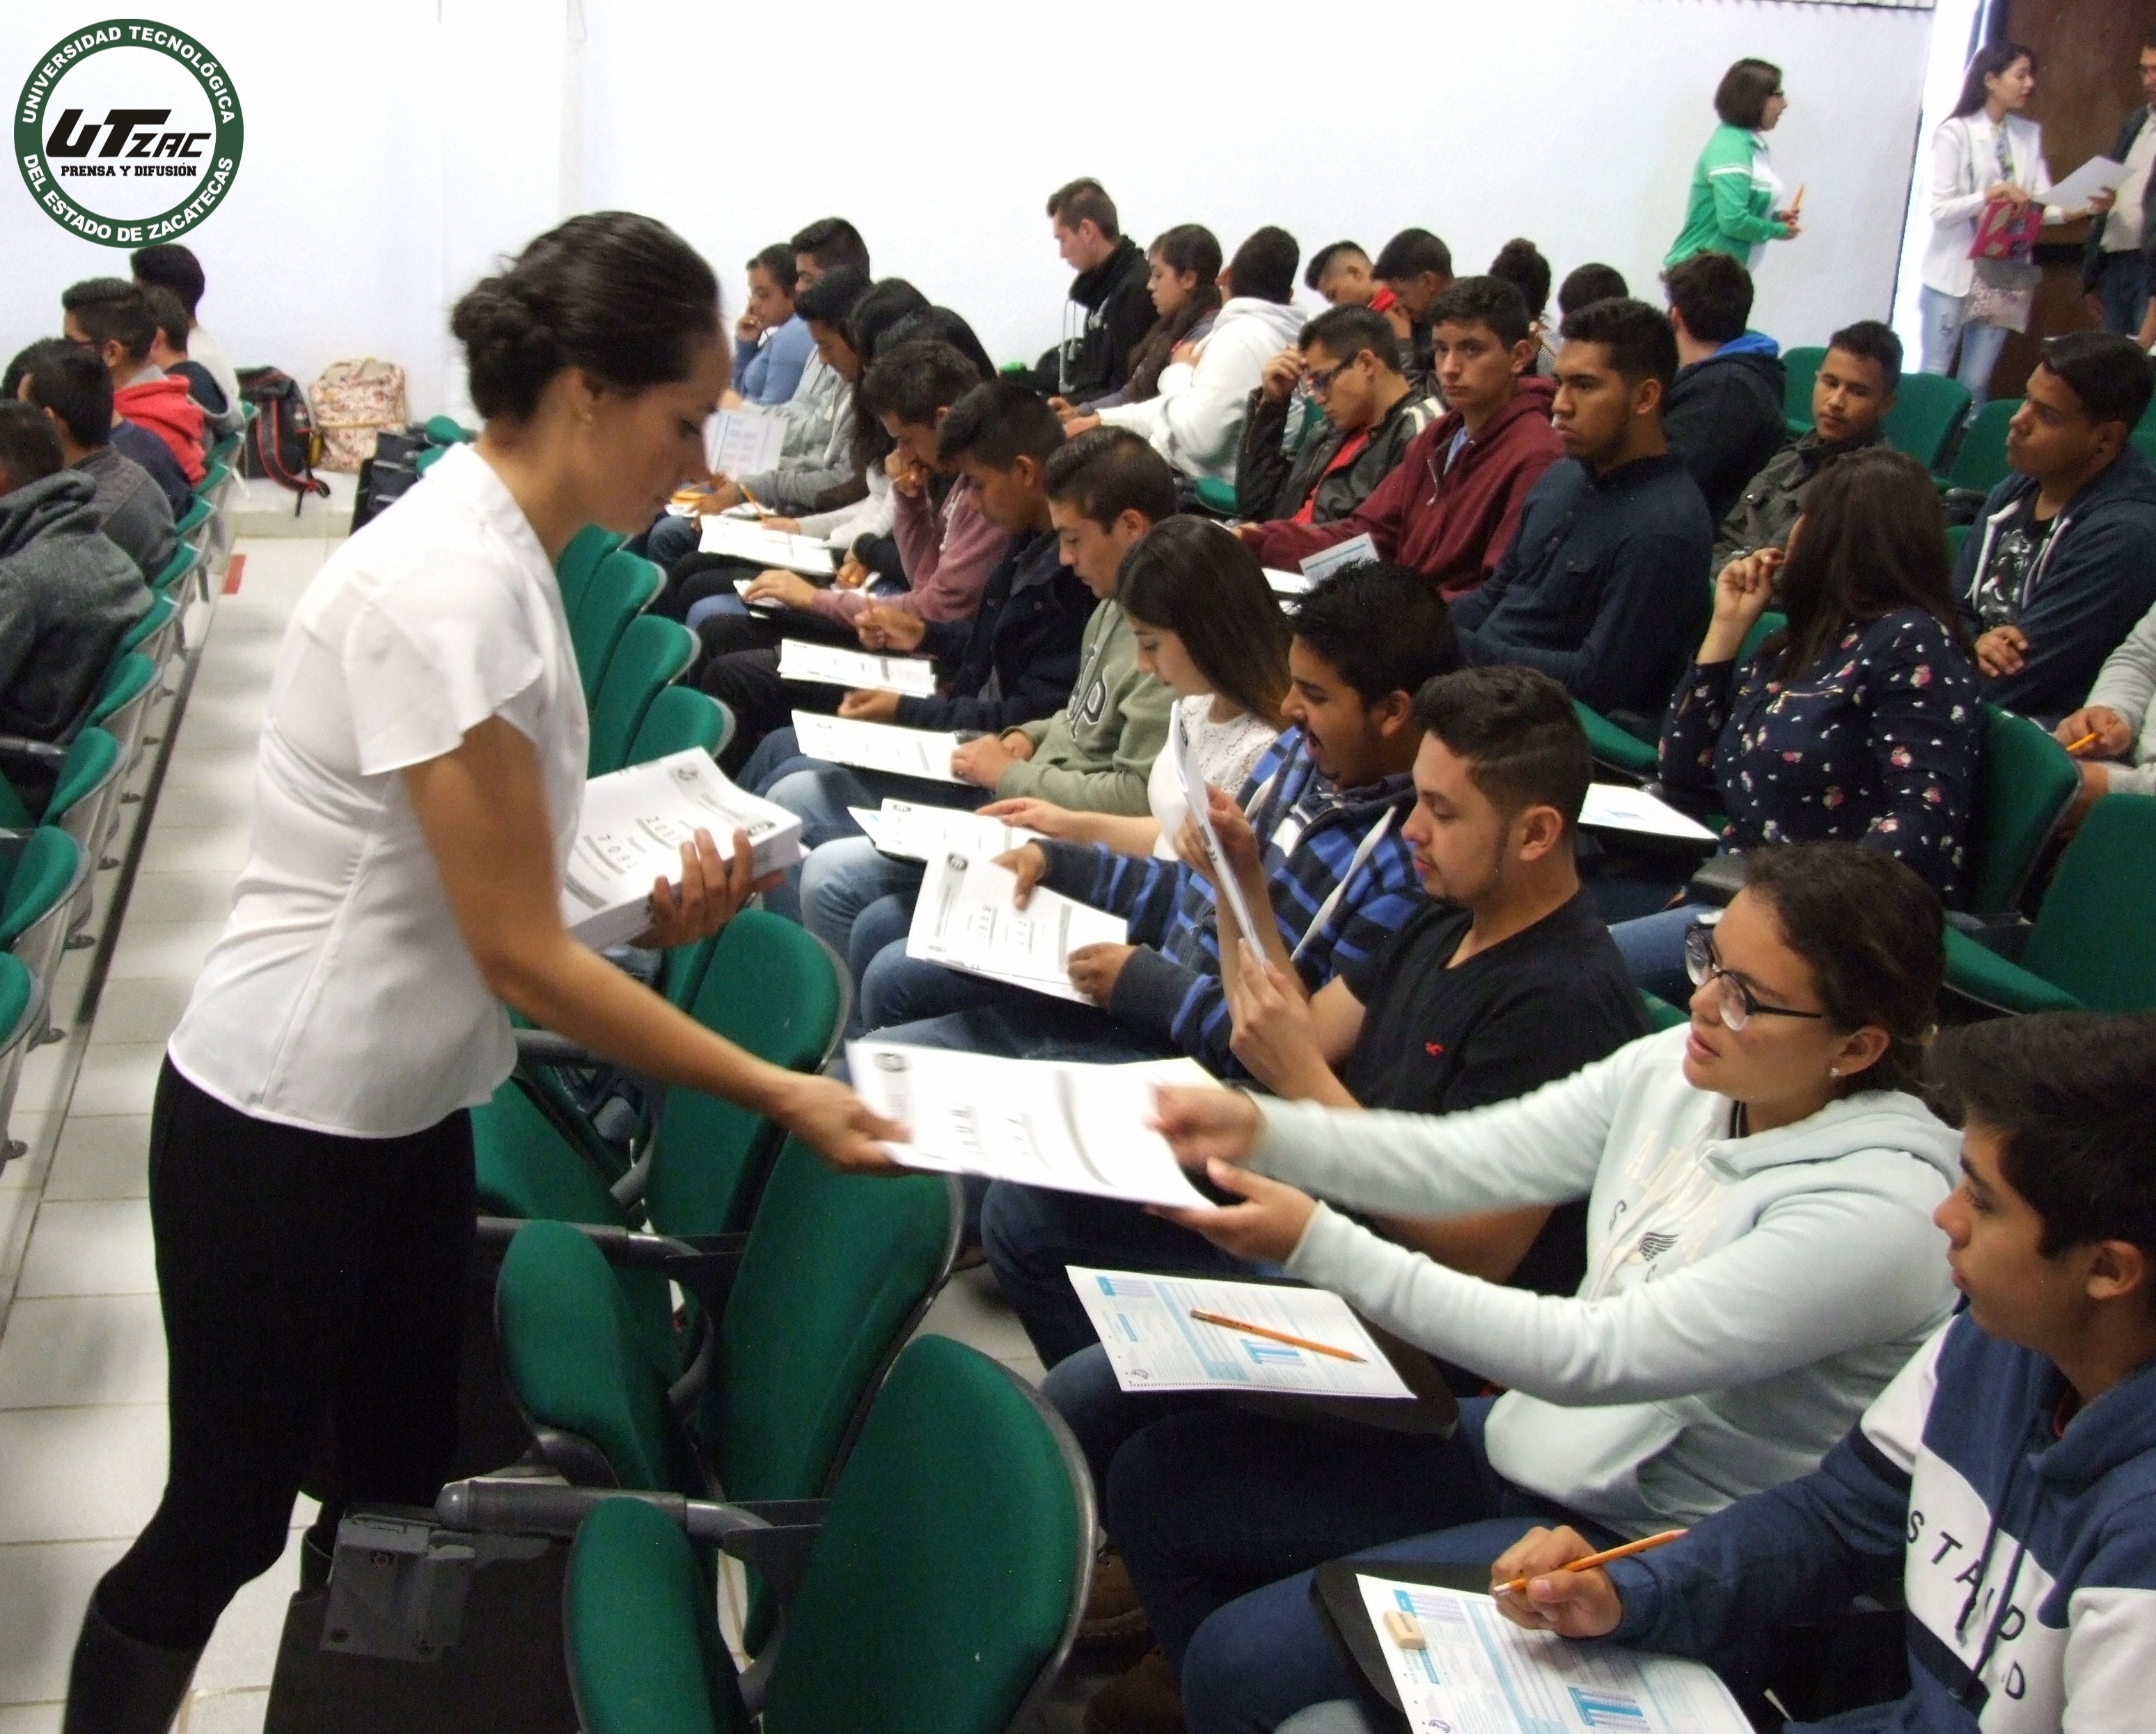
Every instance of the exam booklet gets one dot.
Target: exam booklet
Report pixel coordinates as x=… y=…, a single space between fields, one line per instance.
x=1156 y=1342
x=633 y=824
x=1041 y=1122
x=913 y=832
x=1612 y=807
x=737 y=539
x=744 y=442
x=834 y=665
x=1326 y=562
x=1227 y=889
x=877 y=746
x=1461 y=1665
x=964 y=918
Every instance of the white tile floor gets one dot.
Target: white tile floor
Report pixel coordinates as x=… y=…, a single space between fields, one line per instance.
x=82 y=1359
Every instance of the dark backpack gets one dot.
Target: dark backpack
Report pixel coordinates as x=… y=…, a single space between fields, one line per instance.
x=281 y=441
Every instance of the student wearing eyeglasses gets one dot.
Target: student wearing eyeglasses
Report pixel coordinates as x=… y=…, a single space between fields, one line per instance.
x=1761 y=1262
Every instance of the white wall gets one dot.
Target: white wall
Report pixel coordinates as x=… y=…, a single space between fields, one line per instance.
x=394 y=147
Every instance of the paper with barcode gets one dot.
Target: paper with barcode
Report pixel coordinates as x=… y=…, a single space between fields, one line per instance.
x=877 y=746
x=1154 y=1342
x=834 y=665
x=913 y=832
x=736 y=539
x=1054 y=1123
x=966 y=917
x=1477 y=1673
x=1326 y=562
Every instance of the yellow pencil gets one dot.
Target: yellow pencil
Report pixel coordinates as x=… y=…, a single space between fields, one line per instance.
x=760 y=511
x=1518 y=1585
x=1248 y=1329
x=2082 y=745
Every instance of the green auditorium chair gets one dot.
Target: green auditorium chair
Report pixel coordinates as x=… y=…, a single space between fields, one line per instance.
x=2092 y=944
x=680 y=717
x=448 y=430
x=22 y=1017
x=620 y=588
x=84 y=801
x=579 y=559
x=1800 y=369
x=651 y=655
x=940 y=1595
x=1928 y=407
x=2024 y=783
x=156 y=633
x=1616 y=748
x=1957 y=534
x=1661 y=1015
x=170 y=578
x=42 y=873
x=123 y=705
x=1980 y=465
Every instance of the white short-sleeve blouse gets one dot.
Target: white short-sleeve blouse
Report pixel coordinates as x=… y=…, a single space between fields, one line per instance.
x=340 y=996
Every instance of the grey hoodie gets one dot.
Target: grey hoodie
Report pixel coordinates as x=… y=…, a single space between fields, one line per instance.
x=2127 y=685
x=67 y=593
x=1196 y=420
x=1745 y=1298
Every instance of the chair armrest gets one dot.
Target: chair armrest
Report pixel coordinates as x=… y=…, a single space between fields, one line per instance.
x=543 y=1048
x=1977 y=972
x=704 y=1266
x=19 y=746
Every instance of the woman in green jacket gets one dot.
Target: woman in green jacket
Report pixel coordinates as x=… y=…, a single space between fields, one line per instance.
x=1735 y=190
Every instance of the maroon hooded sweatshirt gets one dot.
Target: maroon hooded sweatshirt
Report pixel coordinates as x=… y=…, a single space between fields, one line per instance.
x=1450 y=524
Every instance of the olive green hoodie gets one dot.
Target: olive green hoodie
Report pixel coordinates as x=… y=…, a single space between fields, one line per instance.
x=1095 y=754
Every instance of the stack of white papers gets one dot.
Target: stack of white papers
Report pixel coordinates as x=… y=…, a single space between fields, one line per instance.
x=1075 y=1128
x=877 y=746
x=738 y=539
x=744 y=442
x=834 y=665
x=1156 y=1342
x=914 y=832
x=964 y=918
x=1473 y=1668
x=1612 y=807
x=633 y=824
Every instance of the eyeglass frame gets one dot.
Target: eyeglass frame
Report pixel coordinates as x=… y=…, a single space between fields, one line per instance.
x=1703 y=965
x=1318 y=383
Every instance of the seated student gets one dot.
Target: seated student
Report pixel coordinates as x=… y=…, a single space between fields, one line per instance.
x=1860 y=722
x=2058 y=569
x=1726 y=1165
x=1109 y=311
x=1324 y=805
x=1520 y=263
x=1723 y=416
x=1195 y=418
x=1584 y=284
x=111 y=318
x=2121 y=713
x=1105 y=490
x=168 y=352
x=1450 y=506
x=2002 y=1480
x=1604 y=586
x=1339 y=273
x=1349 y=361
x=169 y=266
x=71 y=385
x=1850 y=396
x=67 y=592
x=772 y=341
x=1504 y=981
x=1417 y=268
x=1183 y=273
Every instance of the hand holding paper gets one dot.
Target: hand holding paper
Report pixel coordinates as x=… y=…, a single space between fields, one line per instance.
x=1264 y=1229
x=710 y=893
x=1208 y=810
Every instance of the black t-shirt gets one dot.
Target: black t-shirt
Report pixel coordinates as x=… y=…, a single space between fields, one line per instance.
x=1536 y=1009
x=2017 y=548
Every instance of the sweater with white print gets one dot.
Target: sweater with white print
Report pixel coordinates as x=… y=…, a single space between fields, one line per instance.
x=2027 y=1550
x=1745 y=1297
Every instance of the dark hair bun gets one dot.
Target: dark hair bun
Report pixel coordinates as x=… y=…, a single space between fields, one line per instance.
x=511 y=350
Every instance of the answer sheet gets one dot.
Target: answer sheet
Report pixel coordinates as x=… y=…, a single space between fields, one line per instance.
x=964 y=918
x=1286 y=583
x=877 y=746
x=744 y=442
x=1185 y=758
x=1154 y=1344
x=1482 y=1675
x=834 y=665
x=913 y=832
x=736 y=539
x=1612 y=807
x=1325 y=561
x=1041 y=1122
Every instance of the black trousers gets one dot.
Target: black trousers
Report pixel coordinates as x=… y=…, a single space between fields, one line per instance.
x=313 y=1285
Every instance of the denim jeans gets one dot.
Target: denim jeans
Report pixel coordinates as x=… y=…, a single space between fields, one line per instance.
x=699 y=612
x=1980 y=345
x=1653 y=950
x=841 y=882
x=2123 y=289
x=671 y=539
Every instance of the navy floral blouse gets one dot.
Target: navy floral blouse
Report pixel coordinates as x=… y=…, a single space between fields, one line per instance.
x=1877 y=742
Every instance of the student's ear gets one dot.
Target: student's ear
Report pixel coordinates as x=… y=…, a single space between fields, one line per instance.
x=113 y=353
x=1025 y=471
x=1523 y=358
x=1647 y=397
x=1539 y=831
x=1393 y=714
x=1860 y=1051
x=2117 y=1270
x=1677 y=324
x=2111 y=438
x=1130 y=522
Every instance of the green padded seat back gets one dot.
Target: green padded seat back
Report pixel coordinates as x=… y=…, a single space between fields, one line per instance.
x=214 y=476
x=2024 y=783
x=43 y=878
x=621 y=588
x=161 y=609
x=1661 y=1015
x=1614 y=747
x=128 y=680
x=2096 y=934
x=168 y=575
x=448 y=430
x=1799 y=368
x=18 y=989
x=679 y=718
x=1215 y=495
x=1763 y=628
x=192 y=519
x=769 y=988
x=579 y=559
x=944 y=1580
x=14 y=816
x=1927 y=409
x=572 y=1354
x=644 y=1653
x=1980 y=465
x=92 y=760
x=427 y=457
x=651 y=654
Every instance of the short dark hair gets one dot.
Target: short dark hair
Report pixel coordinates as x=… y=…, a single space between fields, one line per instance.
x=1264 y=265
x=777 y=262
x=2148 y=38
x=998 y=422
x=2067 y=1092
x=831 y=242
x=1381 y=628
x=1106 y=472
x=1483 y=300
x=1741 y=98
x=911 y=382
x=1085 y=200
x=1872 y=933
x=1321 y=262
x=1520 y=263
x=1409 y=254
x=2107 y=372
x=617 y=295
x=111 y=310
x=1519 y=733
x=940 y=325
x=170 y=317
x=1874 y=341
x=878 y=311
x=1345 y=332
x=1586 y=284
x=1713 y=293
x=831 y=298
x=169 y=266
x=1641 y=343
x=29 y=446
x=73 y=384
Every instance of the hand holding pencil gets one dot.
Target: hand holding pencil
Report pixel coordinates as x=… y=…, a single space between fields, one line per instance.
x=1552 y=1580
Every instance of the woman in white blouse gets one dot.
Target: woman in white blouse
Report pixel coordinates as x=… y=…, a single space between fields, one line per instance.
x=1986 y=152
x=418 y=787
